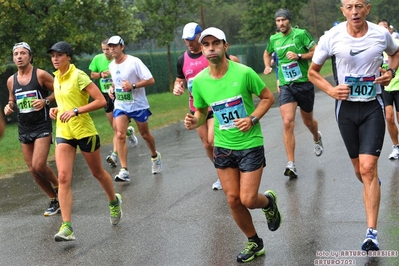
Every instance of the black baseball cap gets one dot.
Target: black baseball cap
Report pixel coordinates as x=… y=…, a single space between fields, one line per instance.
x=61 y=47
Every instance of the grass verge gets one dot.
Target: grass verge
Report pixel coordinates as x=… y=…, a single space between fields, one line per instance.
x=166 y=109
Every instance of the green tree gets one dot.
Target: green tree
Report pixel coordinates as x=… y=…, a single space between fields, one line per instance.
x=258 y=19
x=82 y=23
x=226 y=15
x=162 y=18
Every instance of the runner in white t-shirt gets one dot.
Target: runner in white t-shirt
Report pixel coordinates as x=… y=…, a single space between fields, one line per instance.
x=130 y=77
x=356 y=48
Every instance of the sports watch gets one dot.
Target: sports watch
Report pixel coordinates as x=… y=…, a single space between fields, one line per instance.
x=393 y=72
x=47 y=101
x=299 y=56
x=76 y=111
x=254 y=120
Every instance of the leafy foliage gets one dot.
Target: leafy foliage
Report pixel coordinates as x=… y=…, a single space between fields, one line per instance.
x=258 y=19
x=162 y=18
x=82 y=23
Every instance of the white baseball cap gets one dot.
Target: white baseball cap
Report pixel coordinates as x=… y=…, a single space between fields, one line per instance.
x=23 y=45
x=116 y=40
x=212 y=31
x=190 y=31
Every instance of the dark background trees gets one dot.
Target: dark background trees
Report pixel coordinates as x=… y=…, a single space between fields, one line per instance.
x=145 y=24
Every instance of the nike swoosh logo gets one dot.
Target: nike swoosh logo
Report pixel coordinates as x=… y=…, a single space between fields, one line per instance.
x=353 y=53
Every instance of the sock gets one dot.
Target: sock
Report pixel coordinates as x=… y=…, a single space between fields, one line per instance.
x=154 y=156
x=115 y=152
x=269 y=204
x=254 y=238
x=52 y=199
x=114 y=202
x=68 y=223
x=128 y=133
x=124 y=168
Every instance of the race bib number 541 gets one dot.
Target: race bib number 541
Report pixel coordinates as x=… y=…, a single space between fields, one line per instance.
x=227 y=110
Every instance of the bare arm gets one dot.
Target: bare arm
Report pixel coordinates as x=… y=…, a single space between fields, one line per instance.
x=97 y=102
x=11 y=105
x=294 y=56
x=196 y=120
x=142 y=83
x=386 y=76
x=266 y=101
x=47 y=81
x=178 y=89
x=267 y=60
x=234 y=58
x=340 y=92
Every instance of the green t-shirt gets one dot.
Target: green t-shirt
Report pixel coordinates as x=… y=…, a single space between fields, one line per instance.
x=230 y=97
x=100 y=63
x=298 y=41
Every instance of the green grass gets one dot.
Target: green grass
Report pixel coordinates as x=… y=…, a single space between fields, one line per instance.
x=166 y=108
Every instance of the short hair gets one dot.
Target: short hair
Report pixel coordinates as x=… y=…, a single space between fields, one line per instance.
x=384 y=20
x=365 y=1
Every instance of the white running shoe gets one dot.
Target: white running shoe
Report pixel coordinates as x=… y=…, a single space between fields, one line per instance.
x=112 y=160
x=156 y=164
x=318 y=146
x=394 y=154
x=123 y=176
x=290 y=170
x=217 y=185
x=132 y=137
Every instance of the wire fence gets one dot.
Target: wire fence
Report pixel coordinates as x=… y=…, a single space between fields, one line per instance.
x=157 y=61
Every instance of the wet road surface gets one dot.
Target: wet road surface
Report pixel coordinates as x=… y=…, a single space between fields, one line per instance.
x=175 y=218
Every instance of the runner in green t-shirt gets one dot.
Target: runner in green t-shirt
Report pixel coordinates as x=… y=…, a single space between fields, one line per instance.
x=239 y=158
x=293 y=47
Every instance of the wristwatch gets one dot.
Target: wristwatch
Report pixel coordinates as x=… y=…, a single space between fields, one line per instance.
x=47 y=101
x=299 y=56
x=254 y=120
x=393 y=72
x=76 y=111
x=133 y=86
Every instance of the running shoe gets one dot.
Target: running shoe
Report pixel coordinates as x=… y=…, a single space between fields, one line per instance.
x=251 y=251
x=217 y=185
x=371 y=242
x=318 y=146
x=65 y=234
x=156 y=164
x=123 y=176
x=290 y=170
x=53 y=208
x=116 y=210
x=394 y=154
x=273 y=216
x=132 y=137
x=112 y=160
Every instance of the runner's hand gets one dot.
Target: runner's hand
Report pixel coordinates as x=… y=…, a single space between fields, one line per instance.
x=190 y=122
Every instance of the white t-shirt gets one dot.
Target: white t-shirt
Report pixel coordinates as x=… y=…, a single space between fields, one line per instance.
x=355 y=56
x=133 y=70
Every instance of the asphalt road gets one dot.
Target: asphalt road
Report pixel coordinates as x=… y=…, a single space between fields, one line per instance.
x=175 y=218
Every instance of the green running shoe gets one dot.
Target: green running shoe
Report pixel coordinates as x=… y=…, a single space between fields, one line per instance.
x=65 y=234
x=251 y=251
x=116 y=210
